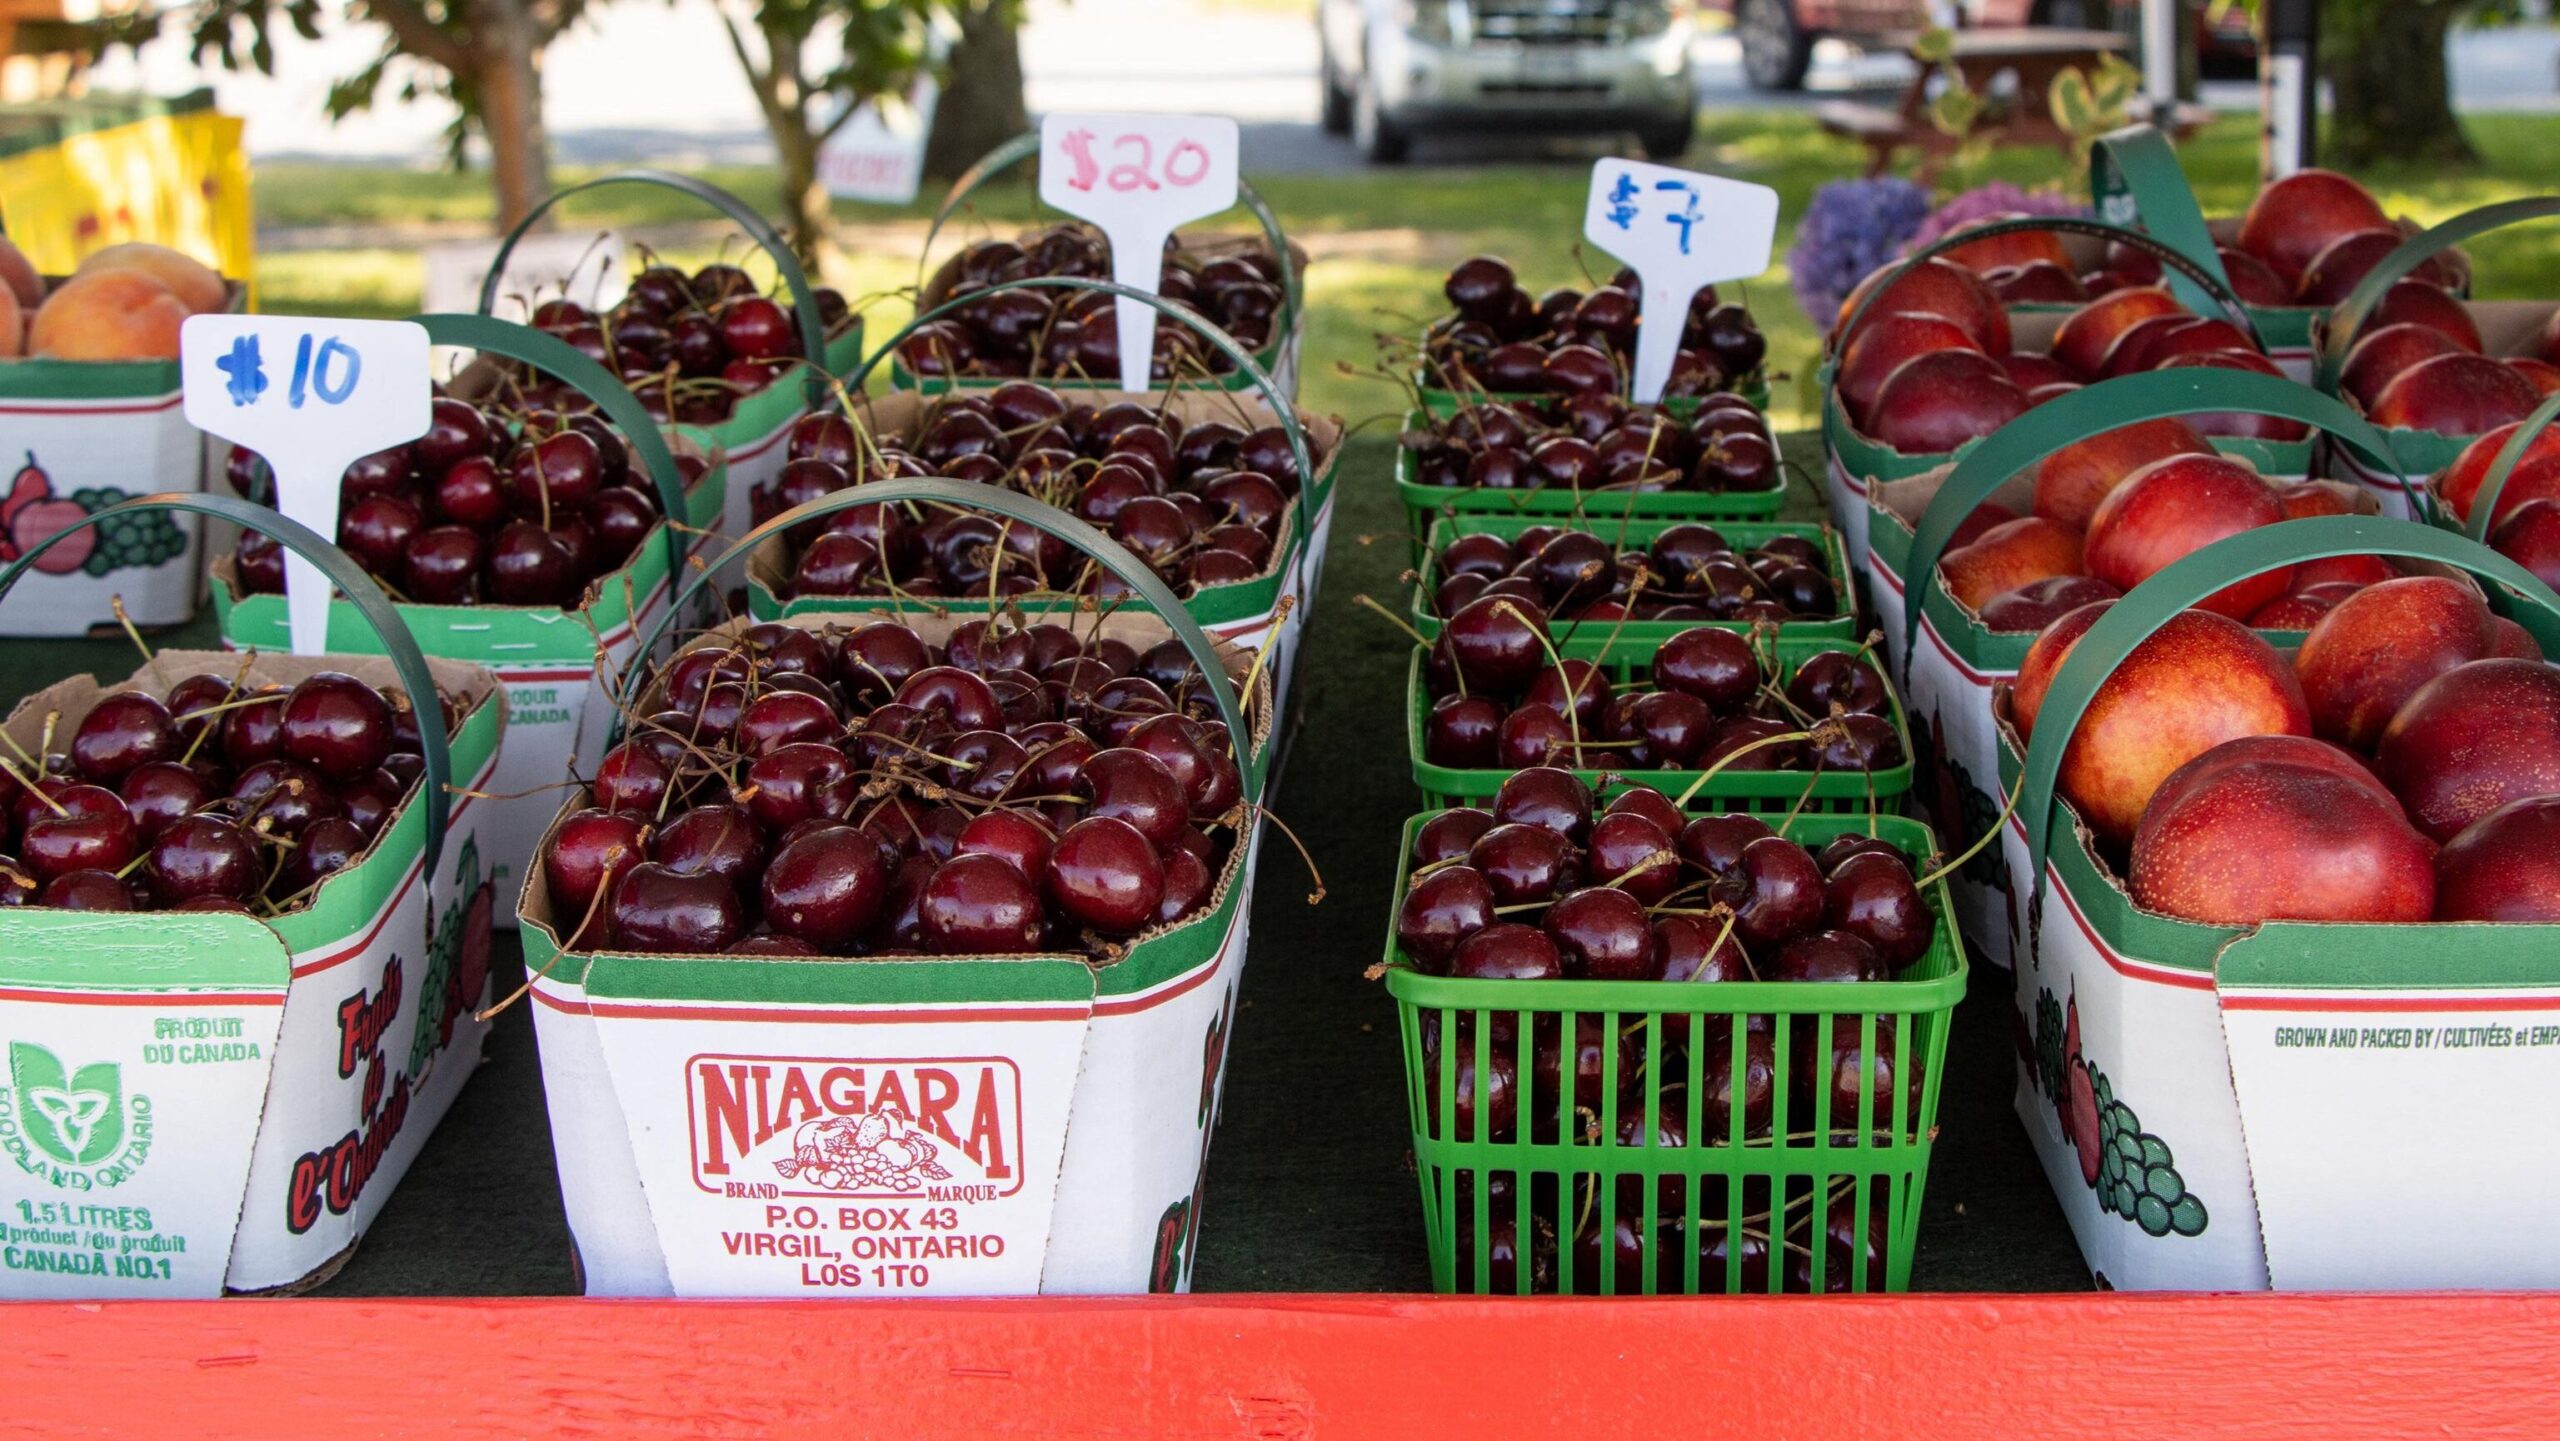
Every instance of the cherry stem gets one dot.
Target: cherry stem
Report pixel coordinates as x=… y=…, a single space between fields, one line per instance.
x=1737 y=753
x=1316 y=896
x=1998 y=822
x=33 y=789
x=150 y=658
x=1572 y=687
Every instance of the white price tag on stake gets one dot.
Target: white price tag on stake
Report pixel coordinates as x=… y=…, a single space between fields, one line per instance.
x=1137 y=178
x=1679 y=231
x=311 y=396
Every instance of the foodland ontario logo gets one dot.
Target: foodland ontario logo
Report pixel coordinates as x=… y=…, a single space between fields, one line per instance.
x=76 y=1130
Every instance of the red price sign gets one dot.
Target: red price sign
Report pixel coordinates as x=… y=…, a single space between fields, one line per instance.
x=1136 y=178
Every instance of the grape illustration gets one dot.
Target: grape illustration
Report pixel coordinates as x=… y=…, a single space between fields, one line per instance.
x=2133 y=1172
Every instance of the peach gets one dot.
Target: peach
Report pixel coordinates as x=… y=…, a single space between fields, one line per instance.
x=18 y=276
x=2200 y=680
x=108 y=315
x=2071 y=481
x=2091 y=331
x=2008 y=557
x=194 y=283
x=2271 y=840
x=2171 y=509
x=2471 y=740
x=2459 y=394
x=2293 y=220
x=13 y=325
x=2373 y=651
x=2344 y=263
x=2154 y=342
x=2355 y=571
x=2288 y=612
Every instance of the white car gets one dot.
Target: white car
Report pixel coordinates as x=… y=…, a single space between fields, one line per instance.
x=1392 y=69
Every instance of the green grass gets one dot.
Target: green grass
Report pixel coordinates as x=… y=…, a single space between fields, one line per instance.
x=1384 y=237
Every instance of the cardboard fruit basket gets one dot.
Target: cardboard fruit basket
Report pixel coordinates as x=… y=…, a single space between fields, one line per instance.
x=2507 y=327
x=1870 y=1167
x=2246 y=1109
x=1073 y=1102
x=1279 y=356
x=551 y=660
x=199 y=1104
x=1853 y=461
x=753 y=435
x=1949 y=662
x=1639 y=534
x=1731 y=788
x=1249 y=613
x=81 y=435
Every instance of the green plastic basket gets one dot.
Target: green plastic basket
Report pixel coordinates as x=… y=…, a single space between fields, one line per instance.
x=1423 y=502
x=1444 y=402
x=1565 y=1169
x=1744 y=534
x=1760 y=792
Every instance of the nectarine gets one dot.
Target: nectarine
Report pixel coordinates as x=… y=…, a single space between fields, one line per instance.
x=2293 y=220
x=2471 y=740
x=1934 y=287
x=2460 y=394
x=1933 y=403
x=108 y=315
x=2270 y=840
x=2171 y=509
x=2071 y=481
x=2504 y=866
x=2008 y=557
x=2091 y=331
x=2367 y=656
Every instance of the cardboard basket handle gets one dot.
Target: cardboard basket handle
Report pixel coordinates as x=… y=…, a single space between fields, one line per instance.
x=349 y=579
x=1049 y=520
x=804 y=301
x=2493 y=482
x=557 y=357
x=2126 y=400
x=2135 y=179
x=1022 y=147
x=2339 y=332
x=2171 y=261
x=2130 y=621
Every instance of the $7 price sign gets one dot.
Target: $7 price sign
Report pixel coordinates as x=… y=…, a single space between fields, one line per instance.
x=310 y=396
x=1678 y=230
x=1137 y=178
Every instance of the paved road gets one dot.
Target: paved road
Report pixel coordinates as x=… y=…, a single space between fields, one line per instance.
x=612 y=85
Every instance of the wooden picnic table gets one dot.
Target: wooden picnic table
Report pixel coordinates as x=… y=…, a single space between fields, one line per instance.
x=2018 y=114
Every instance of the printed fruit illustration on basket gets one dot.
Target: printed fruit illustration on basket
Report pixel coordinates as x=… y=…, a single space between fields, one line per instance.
x=1688 y=572
x=2132 y=1171
x=222 y=794
x=849 y=791
x=1592 y=441
x=1203 y=501
x=504 y=502
x=882 y=1150
x=458 y=942
x=31 y=513
x=1498 y=340
x=1060 y=333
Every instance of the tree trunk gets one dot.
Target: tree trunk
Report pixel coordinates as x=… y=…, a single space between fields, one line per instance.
x=506 y=60
x=981 y=106
x=2385 y=62
x=812 y=210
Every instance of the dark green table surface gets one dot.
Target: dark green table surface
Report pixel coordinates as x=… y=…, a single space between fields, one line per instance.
x=1310 y=1186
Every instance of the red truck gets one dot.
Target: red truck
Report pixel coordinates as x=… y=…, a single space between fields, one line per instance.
x=1778 y=35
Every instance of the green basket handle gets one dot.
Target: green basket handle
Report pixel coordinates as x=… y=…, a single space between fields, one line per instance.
x=2172 y=261
x=1022 y=147
x=1048 y=519
x=350 y=580
x=554 y=356
x=2338 y=333
x=2151 y=604
x=2068 y=419
x=2135 y=179
x=804 y=301
x=2493 y=482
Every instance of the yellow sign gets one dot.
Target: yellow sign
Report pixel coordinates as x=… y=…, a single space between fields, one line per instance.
x=175 y=180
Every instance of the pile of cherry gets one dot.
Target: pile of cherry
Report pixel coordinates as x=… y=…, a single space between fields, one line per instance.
x=1202 y=501
x=1501 y=697
x=218 y=795
x=1592 y=440
x=1056 y=333
x=832 y=792
x=1567 y=341
x=689 y=346
x=494 y=505
x=1548 y=884
x=1689 y=572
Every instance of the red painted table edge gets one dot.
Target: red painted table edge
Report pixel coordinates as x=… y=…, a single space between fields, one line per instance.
x=1277 y=1366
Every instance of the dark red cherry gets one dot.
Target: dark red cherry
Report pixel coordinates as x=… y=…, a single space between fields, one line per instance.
x=1716 y=666
x=1187 y=884
x=455 y=429
x=335 y=724
x=123 y=731
x=1136 y=787
x=159 y=792
x=588 y=846
x=1635 y=854
x=1872 y=897
x=1546 y=796
x=203 y=856
x=1827 y=956
x=1447 y=836
x=90 y=890
x=1507 y=952
x=328 y=845
x=802 y=781
x=656 y=909
x=1018 y=838
x=825 y=886
x=1837 y=678
x=1603 y=935
x=562 y=470
x=720 y=840
x=979 y=905
x=1104 y=875
x=89 y=828
x=1440 y=910
x=633 y=776
x=1523 y=863
x=1497 y=644
x=443 y=562
x=1462 y=731
x=1780 y=891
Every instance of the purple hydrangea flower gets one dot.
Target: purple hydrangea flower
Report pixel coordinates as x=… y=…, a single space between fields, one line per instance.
x=1850 y=228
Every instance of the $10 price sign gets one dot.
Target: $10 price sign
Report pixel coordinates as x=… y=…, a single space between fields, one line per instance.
x=1137 y=178
x=311 y=396
x=1679 y=231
